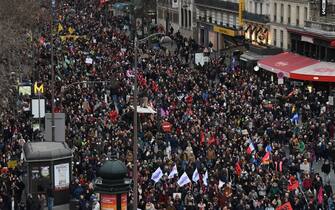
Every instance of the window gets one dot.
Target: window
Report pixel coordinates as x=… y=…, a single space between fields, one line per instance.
x=267 y=9
x=281 y=38
x=281 y=13
x=160 y=13
x=189 y=19
x=182 y=17
x=256 y=4
x=176 y=18
x=185 y=14
x=275 y=13
x=261 y=7
x=289 y=15
x=297 y=15
x=275 y=37
x=228 y=19
x=213 y=17
x=305 y=13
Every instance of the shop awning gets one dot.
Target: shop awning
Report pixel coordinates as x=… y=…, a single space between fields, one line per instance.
x=250 y=56
x=322 y=71
x=299 y=67
x=285 y=62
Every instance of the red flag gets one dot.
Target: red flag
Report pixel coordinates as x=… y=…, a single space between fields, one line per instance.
x=102 y=2
x=113 y=115
x=266 y=158
x=167 y=127
x=320 y=195
x=285 y=206
x=238 y=169
x=291 y=93
x=212 y=139
x=202 y=138
x=294 y=184
x=41 y=40
x=154 y=86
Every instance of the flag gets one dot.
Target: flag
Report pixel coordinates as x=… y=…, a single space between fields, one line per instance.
x=202 y=138
x=205 y=178
x=41 y=40
x=291 y=93
x=157 y=175
x=195 y=176
x=320 y=195
x=238 y=169
x=212 y=140
x=268 y=148
x=183 y=180
x=266 y=158
x=71 y=30
x=295 y=118
x=285 y=206
x=250 y=148
x=221 y=183
x=103 y=2
x=173 y=172
x=167 y=127
x=293 y=184
x=60 y=27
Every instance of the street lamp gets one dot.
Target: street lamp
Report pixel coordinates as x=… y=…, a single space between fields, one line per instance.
x=164 y=39
x=53 y=5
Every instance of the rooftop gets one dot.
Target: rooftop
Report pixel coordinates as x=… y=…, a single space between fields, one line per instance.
x=46 y=151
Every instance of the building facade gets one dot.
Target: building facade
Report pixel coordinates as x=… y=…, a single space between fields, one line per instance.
x=218 y=23
x=257 y=22
x=178 y=14
x=316 y=39
x=284 y=14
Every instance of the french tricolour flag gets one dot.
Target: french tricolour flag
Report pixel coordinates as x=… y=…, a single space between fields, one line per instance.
x=250 y=148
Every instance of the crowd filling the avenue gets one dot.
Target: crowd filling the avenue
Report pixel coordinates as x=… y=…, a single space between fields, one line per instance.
x=224 y=136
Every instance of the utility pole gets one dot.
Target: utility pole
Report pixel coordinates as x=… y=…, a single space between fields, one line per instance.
x=53 y=6
x=135 y=140
x=135 y=143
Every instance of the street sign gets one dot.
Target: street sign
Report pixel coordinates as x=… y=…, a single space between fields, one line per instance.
x=38 y=89
x=280 y=75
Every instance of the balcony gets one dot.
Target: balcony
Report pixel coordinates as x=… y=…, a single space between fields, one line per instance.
x=216 y=4
x=329 y=27
x=256 y=17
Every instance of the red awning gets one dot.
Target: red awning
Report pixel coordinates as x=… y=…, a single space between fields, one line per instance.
x=299 y=67
x=285 y=63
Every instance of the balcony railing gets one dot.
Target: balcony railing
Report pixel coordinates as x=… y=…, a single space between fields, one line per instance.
x=320 y=25
x=256 y=17
x=225 y=5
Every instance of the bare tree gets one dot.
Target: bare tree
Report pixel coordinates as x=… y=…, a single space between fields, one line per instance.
x=19 y=19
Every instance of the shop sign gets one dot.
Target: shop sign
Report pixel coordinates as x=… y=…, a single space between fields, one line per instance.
x=225 y=31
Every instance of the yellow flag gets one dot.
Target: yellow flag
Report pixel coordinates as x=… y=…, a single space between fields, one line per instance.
x=71 y=30
x=60 y=27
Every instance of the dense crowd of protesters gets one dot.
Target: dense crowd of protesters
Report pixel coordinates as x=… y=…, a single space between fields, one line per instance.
x=220 y=119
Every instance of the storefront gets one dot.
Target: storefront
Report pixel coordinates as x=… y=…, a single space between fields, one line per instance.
x=312 y=45
x=220 y=37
